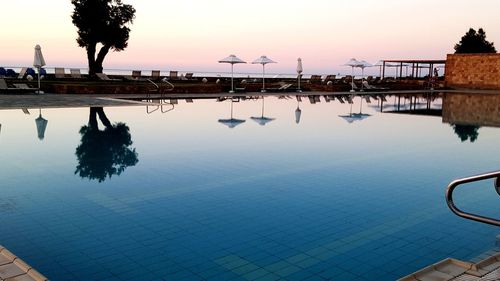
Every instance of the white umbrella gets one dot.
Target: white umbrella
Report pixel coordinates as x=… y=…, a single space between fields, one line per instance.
x=263 y=60
x=352 y=63
x=299 y=72
x=362 y=65
x=41 y=125
x=232 y=59
x=38 y=62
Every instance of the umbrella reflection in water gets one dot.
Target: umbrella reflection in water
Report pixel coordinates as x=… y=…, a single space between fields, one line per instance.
x=231 y=122
x=298 y=113
x=262 y=120
x=351 y=117
x=41 y=125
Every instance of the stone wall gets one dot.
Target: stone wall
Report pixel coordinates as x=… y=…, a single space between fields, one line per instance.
x=473 y=71
x=472 y=109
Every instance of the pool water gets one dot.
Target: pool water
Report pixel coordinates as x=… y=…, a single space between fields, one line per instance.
x=181 y=196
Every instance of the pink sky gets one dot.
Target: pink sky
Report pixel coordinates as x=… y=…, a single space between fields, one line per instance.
x=194 y=34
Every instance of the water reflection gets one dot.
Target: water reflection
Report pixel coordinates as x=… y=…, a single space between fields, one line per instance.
x=466 y=132
x=41 y=126
x=104 y=153
x=262 y=120
x=232 y=122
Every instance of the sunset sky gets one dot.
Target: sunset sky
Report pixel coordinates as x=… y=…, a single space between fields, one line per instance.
x=195 y=34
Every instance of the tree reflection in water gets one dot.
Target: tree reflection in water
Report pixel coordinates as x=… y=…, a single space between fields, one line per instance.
x=104 y=153
x=466 y=132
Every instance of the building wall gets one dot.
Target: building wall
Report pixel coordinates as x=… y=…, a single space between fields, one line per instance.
x=472 y=109
x=473 y=71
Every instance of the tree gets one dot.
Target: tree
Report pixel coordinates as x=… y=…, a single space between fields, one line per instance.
x=104 y=153
x=102 y=22
x=474 y=42
x=466 y=132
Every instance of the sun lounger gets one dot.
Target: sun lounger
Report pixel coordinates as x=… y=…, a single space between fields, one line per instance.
x=327 y=98
x=299 y=99
x=315 y=79
x=382 y=97
x=371 y=88
x=367 y=99
x=75 y=73
x=21 y=86
x=174 y=101
x=329 y=78
x=340 y=99
x=174 y=75
x=17 y=87
x=25 y=111
x=60 y=73
x=155 y=75
x=136 y=74
x=189 y=100
x=103 y=77
x=188 y=75
x=22 y=73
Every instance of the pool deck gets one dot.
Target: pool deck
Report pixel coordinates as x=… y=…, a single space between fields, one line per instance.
x=13 y=268
x=16 y=101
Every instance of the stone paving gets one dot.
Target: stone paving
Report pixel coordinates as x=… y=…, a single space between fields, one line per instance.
x=13 y=268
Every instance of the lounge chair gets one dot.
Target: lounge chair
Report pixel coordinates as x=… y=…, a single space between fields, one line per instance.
x=189 y=100
x=367 y=99
x=25 y=111
x=60 y=73
x=174 y=75
x=188 y=76
x=103 y=77
x=17 y=87
x=284 y=87
x=329 y=78
x=22 y=73
x=75 y=73
x=315 y=79
x=155 y=75
x=340 y=99
x=174 y=101
x=299 y=99
x=136 y=74
x=372 y=88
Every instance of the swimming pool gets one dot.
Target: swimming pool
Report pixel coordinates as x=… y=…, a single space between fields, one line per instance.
x=180 y=196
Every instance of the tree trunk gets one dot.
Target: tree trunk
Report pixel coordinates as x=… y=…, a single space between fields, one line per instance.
x=100 y=58
x=91 y=49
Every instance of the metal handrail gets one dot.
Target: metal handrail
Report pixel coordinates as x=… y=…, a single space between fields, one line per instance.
x=470 y=216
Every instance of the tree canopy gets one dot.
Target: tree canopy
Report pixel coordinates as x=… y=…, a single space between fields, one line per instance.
x=102 y=22
x=474 y=42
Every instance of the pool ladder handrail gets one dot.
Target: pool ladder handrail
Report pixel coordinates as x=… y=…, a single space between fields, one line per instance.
x=449 y=196
x=159 y=90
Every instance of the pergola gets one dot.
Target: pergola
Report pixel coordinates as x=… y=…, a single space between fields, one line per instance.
x=416 y=66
